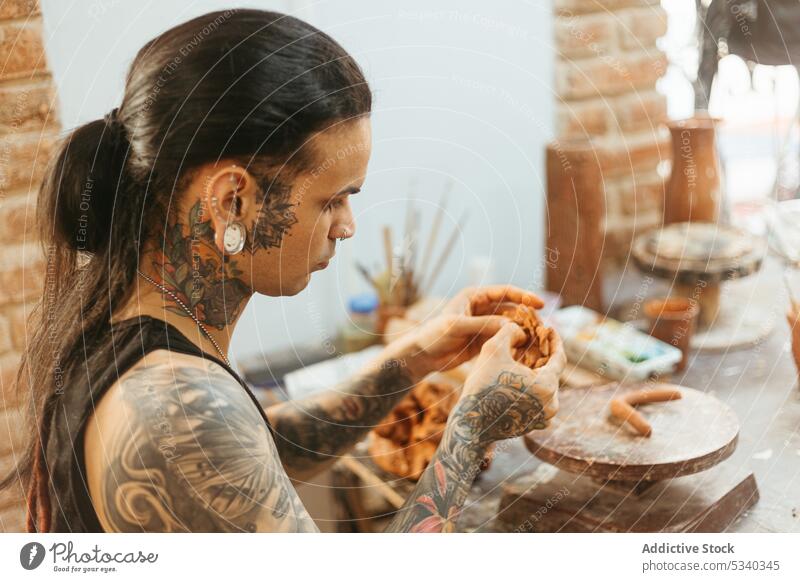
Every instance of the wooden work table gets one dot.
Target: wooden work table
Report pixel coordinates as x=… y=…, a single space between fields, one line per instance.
x=759 y=383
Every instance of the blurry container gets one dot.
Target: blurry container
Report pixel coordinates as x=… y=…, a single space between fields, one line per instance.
x=693 y=191
x=360 y=330
x=673 y=320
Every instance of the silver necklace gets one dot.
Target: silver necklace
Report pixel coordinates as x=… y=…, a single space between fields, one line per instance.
x=189 y=312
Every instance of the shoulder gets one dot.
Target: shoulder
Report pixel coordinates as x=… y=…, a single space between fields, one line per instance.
x=174 y=400
x=177 y=445
x=178 y=387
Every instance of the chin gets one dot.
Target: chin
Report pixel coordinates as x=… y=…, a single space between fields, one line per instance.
x=287 y=289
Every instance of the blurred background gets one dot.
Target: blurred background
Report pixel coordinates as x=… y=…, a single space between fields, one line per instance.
x=471 y=100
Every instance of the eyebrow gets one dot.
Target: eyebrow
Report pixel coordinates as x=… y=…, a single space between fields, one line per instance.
x=348 y=190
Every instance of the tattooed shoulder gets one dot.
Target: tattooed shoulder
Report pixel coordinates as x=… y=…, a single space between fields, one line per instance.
x=177 y=445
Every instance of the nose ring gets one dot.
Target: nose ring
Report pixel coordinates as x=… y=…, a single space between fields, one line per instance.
x=345 y=235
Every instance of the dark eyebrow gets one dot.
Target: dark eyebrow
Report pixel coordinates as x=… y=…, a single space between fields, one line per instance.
x=348 y=190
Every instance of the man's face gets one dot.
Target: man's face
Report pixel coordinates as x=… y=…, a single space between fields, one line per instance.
x=296 y=230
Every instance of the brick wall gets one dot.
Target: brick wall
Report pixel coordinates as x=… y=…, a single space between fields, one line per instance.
x=28 y=130
x=606 y=71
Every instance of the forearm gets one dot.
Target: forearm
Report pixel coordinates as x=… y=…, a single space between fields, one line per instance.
x=435 y=503
x=501 y=410
x=313 y=432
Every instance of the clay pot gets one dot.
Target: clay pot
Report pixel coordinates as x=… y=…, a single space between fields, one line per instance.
x=693 y=189
x=672 y=320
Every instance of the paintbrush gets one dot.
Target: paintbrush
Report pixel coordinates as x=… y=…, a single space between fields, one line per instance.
x=371 y=280
x=448 y=247
x=389 y=255
x=437 y=222
x=409 y=273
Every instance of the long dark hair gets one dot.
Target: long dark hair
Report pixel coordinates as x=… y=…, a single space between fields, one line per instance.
x=247 y=85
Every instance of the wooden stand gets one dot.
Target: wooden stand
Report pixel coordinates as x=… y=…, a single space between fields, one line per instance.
x=697 y=258
x=705 y=502
x=707 y=298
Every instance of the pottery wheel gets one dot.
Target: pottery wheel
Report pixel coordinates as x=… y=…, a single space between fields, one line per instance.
x=689 y=252
x=689 y=435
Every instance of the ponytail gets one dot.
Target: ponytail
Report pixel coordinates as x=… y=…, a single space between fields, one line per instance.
x=78 y=195
x=83 y=184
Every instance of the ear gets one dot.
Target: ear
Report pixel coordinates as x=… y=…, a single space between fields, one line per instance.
x=230 y=194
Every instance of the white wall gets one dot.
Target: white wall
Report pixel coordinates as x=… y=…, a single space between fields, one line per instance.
x=463 y=92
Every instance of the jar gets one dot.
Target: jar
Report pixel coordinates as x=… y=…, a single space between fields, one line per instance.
x=359 y=331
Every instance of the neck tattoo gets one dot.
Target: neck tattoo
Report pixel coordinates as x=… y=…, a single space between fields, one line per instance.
x=189 y=313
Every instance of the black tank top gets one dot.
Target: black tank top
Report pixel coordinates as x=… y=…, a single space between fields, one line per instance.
x=72 y=509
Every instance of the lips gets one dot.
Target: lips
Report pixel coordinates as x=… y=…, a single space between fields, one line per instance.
x=325 y=262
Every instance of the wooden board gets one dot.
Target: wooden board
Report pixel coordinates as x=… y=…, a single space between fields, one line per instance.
x=562 y=502
x=689 y=435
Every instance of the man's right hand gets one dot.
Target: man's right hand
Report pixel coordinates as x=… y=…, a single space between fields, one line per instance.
x=502 y=398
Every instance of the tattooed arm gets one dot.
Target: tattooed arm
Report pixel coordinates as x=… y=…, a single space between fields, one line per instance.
x=501 y=400
x=177 y=445
x=312 y=433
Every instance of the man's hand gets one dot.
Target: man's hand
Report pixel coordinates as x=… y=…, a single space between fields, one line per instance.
x=504 y=399
x=456 y=336
x=444 y=342
x=501 y=399
x=486 y=300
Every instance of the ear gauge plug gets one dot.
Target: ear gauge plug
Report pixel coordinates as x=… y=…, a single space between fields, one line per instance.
x=234 y=238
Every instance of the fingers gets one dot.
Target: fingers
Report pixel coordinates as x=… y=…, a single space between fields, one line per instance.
x=486 y=325
x=558 y=358
x=496 y=351
x=483 y=297
x=482 y=300
x=509 y=335
x=486 y=300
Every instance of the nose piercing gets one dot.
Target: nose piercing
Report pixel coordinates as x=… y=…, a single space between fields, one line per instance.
x=345 y=235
